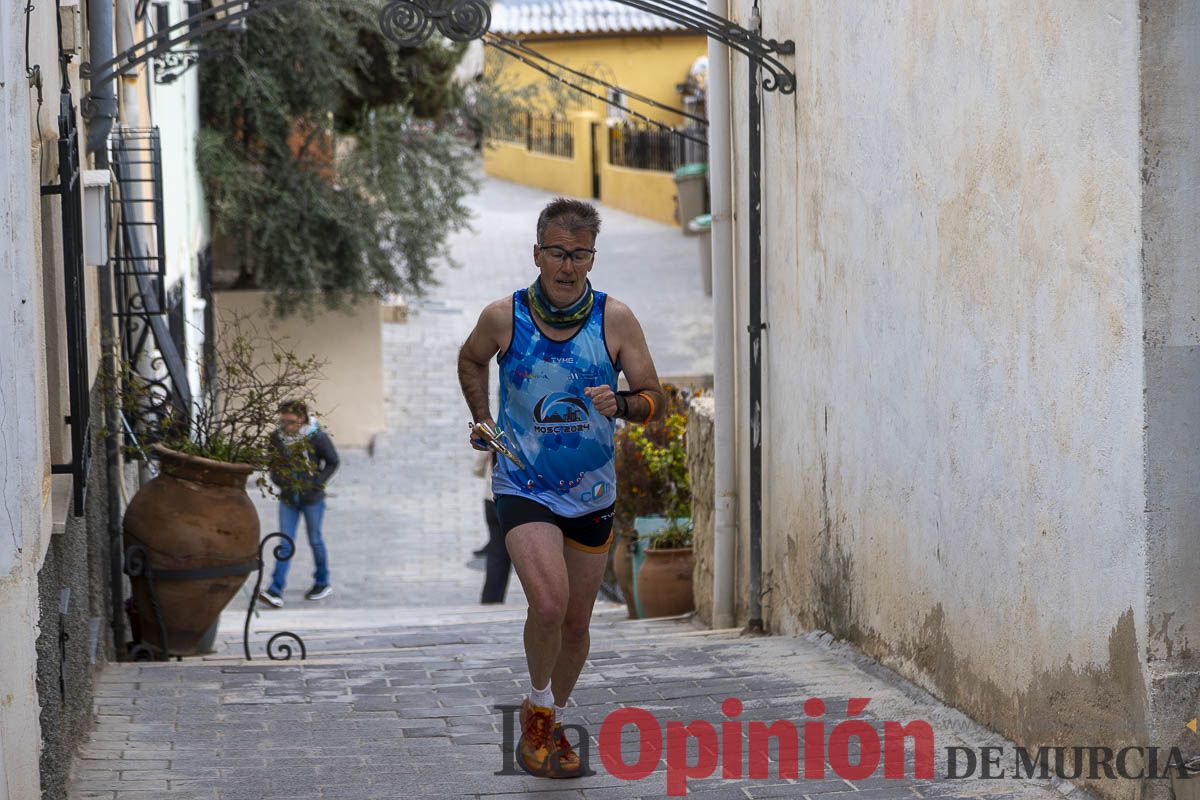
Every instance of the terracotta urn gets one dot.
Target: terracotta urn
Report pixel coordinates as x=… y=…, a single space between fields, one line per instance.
x=664 y=583
x=200 y=531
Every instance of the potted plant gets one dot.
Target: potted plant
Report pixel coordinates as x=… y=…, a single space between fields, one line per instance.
x=193 y=524
x=654 y=508
x=664 y=585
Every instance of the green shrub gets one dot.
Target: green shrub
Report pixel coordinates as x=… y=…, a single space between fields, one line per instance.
x=652 y=476
x=332 y=160
x=253 y=372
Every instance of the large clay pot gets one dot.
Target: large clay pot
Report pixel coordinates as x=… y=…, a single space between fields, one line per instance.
x=664 y=583
x=195 y=515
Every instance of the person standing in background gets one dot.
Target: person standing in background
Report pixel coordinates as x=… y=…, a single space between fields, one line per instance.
x=307 y=460
x=499 y=564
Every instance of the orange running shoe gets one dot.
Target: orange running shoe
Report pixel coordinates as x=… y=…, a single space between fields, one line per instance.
x=564 y=763
x=537 y=724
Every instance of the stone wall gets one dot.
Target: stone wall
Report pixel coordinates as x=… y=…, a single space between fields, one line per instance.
x=79 y=558
x=1170 y=87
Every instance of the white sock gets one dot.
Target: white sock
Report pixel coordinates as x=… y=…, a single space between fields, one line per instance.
x=559 y=713
x=541 y=697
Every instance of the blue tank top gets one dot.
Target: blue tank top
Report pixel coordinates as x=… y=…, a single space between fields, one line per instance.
x=564 y=443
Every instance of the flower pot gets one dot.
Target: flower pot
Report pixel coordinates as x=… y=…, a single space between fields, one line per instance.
x=644 y=531
x=664 y=583
x=200 y=532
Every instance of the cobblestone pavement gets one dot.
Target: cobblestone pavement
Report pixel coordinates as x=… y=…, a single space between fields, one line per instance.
x=401 y=705
x=396 y=696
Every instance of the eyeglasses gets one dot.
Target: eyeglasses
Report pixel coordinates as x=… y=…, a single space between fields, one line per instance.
x=578 y=257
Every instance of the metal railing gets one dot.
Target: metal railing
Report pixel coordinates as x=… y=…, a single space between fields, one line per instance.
x=141 y=241
x=139 y=270
x=552 y=136
x=513 y=129
x=70 y=191
x=640 y=146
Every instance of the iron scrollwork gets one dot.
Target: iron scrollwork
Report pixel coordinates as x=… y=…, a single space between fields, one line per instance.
x=408 y=23
x=153 y=359
x=411 y=22
x=170 y=65
x=275 y=651
x=137 y=565
x=695 y=17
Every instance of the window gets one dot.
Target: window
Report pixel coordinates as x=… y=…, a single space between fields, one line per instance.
x=616 y=98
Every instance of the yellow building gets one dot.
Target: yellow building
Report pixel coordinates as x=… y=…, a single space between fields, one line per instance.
x=583 y=147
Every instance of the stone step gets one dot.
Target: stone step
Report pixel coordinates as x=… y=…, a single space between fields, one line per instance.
x=364 y=633
x=404 y=702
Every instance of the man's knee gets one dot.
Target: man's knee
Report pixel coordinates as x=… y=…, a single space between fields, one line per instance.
x=548 y=609
x=575 y=629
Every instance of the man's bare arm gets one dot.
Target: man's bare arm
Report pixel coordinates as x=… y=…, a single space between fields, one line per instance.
x=474 y=358
x=473 y=378
x=647 y=401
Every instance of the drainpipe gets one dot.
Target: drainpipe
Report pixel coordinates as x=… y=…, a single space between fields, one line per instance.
x=756 y=327
x=102 y=104
x=102 y=113
x=116 y=476
x=724 y=343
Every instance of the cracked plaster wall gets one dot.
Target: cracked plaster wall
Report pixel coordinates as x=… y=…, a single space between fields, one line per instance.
x=1170 y=173
x=964 y=427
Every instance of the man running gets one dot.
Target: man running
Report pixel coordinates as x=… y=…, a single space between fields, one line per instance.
x=560 y=347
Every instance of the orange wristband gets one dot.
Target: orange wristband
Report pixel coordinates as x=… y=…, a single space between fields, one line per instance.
x=649 y=401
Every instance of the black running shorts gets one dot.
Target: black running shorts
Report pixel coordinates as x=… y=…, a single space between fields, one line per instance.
x=591 y=533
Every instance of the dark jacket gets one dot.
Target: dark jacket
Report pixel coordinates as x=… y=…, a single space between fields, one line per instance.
x=302 y=471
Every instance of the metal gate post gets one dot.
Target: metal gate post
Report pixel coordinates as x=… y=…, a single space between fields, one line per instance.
x=755 y=328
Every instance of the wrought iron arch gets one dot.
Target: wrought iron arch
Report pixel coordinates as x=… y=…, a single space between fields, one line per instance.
x=410 y=22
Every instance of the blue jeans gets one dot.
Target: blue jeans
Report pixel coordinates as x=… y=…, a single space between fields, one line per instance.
x=289 y=521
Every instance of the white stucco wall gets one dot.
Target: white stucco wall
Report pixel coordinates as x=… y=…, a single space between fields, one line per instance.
x=24 y=464
x=185 y=215
x=953 y=370
x=348 y=342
